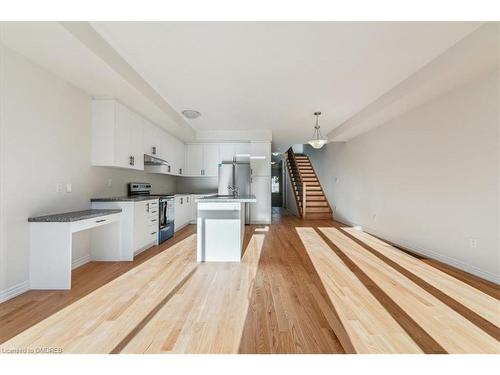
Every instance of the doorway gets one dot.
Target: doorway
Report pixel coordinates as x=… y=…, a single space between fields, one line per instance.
x=277 y=183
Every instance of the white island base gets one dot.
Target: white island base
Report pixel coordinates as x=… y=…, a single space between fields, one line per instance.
x=221 y=229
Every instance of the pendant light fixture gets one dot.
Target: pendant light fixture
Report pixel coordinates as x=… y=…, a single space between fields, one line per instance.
x=317 y=140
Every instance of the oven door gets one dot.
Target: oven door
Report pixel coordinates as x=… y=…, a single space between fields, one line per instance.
x=166 y=222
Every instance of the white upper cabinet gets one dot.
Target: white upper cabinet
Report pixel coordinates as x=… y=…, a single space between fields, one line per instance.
x=226 y=152
x=258 y=150
x=242 y=148
x=194 y=159
x=202 y=159
x=179 y=157
x=116 y=138
x=152 y=139
x=211 y=160
x=121 y=138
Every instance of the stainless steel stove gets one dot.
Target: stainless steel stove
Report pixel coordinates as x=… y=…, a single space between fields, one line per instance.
x=166 y=211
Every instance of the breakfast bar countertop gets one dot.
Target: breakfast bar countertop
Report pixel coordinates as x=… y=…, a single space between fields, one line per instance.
x=228 y=199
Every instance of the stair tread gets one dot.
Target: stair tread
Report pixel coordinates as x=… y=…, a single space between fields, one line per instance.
x=318 y=209
x=301 y=171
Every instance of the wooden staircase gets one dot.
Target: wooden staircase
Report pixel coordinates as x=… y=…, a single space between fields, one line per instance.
x=309 y=195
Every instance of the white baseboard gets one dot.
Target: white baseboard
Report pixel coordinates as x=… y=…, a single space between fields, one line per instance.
x=14 y=291
x=80 y=261
x=433 y=255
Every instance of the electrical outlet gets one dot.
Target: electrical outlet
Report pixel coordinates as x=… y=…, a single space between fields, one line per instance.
x=473 y=243
x=110 y=182
x=68 y=188
x=58 y=187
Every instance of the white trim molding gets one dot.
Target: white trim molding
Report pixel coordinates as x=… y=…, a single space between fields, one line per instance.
x=80 y=261
x=489 y=276
x=14 y=291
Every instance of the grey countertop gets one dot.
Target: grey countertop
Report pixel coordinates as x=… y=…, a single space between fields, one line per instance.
x=138 y=198
x=135 y=198
x=228 y=198
x=67 y=217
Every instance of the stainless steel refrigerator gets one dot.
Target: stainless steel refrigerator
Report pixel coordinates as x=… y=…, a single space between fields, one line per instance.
x=235 y=174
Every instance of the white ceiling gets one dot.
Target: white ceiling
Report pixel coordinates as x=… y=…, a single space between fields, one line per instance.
x=274 y=75
x=52 y=46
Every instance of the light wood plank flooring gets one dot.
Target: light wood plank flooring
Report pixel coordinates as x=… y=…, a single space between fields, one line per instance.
x=451 y=330
x=100 y=321
x=207 y=314
x=304 y=286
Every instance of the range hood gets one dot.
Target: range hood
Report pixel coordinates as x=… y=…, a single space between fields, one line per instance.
x=152 y=164
x=153 y=160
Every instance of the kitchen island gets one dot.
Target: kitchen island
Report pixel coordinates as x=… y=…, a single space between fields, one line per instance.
x=221 y=227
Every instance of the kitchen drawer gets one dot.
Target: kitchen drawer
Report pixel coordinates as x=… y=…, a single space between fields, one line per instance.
x=153 y=234
x=153 y=204
x=77 y=226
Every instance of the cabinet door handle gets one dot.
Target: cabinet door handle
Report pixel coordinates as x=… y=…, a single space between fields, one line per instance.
x=131 y=160
x=168 y=169
x=100 y=221
x=154 y=150
x=180 y=170
x=182 y=200
x=154 y=232
x=147 y=207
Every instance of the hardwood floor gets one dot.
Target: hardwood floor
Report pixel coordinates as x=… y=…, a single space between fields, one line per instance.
x=22 y=312
x=207 y=314
x=304 y=286
x=453 y=332
x=100 y=321
x=290 y=311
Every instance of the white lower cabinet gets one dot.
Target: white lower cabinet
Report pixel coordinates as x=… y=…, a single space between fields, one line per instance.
x=260 y=212
x=182 y=209
x=139 y=222
x=145 y=224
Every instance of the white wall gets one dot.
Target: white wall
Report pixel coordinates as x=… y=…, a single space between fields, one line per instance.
x=45 y=139
x=427 y=180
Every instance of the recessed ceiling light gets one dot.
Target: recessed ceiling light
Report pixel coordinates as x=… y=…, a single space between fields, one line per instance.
x=276 y=153
x=191 y=114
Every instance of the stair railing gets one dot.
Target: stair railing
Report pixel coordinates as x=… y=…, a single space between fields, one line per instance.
x=299 y=183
